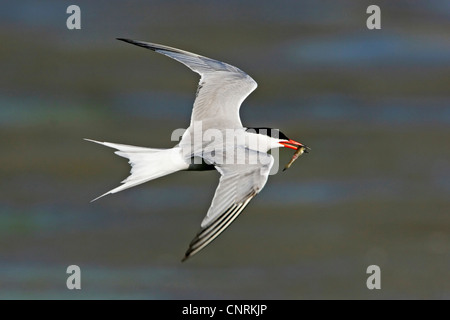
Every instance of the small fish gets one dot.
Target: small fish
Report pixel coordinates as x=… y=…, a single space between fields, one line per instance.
x=300 y=150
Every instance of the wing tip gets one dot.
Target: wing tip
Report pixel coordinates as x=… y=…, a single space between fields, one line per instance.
x=105 y=194
x=142 y=44
x=125 y=40
x=94 y=141
x=201 y=241
x=189 y=253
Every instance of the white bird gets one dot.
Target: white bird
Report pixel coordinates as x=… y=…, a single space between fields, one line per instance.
x=244 y=165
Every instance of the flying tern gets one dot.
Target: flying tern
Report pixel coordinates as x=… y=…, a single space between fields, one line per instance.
x=221 y=90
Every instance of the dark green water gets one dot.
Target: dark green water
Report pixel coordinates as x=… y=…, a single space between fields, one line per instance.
x=373 y=105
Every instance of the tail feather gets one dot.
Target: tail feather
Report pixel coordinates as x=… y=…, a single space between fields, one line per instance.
x=146 y=163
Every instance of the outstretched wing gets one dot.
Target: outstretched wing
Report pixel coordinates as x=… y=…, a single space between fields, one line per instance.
x=239 y=183
x=221 y=90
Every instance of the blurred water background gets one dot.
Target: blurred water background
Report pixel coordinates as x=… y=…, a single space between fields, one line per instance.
x=373 y=105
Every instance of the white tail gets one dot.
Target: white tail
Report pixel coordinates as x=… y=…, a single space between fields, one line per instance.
x=146 y=163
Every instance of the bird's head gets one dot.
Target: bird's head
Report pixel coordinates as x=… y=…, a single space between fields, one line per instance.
x=277 y=138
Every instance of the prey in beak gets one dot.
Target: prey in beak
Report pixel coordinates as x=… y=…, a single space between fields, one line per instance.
x=299 y=150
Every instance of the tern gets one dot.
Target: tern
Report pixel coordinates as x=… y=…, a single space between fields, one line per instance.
x=221 y=90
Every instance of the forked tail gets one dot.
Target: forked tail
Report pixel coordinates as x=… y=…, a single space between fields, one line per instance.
x=146 y=163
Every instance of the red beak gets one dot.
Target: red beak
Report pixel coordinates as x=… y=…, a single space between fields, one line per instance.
x=291 y=144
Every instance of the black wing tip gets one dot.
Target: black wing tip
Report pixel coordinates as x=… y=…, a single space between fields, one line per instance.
x=189 y=253
x=228 y=217
x=125 y=40
x=138 y=43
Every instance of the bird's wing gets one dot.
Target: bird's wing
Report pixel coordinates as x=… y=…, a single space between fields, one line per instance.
x=239 y=183
x=221 y=90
